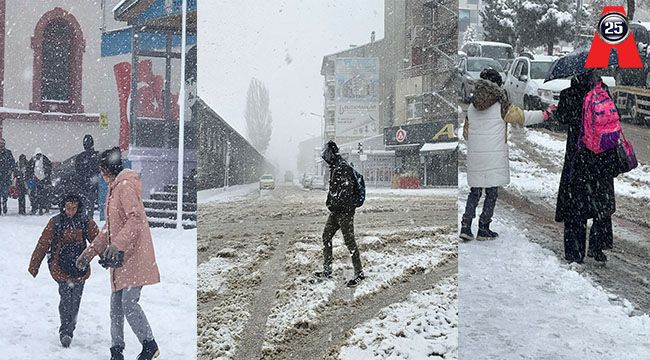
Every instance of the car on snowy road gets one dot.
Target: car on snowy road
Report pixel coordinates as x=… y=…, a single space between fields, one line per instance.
x=317 y=182
x=468 y=72
x=267 y=182
x=549 y=92
x=524 y=78
x=498 y=51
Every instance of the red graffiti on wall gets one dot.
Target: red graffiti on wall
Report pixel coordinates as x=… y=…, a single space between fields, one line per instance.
x=150 y=96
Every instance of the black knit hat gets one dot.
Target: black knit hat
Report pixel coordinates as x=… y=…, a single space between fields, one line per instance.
x=492 y=75
x=111 y=161
x=332 y=146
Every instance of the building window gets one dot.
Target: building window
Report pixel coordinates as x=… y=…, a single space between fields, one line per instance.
x=331 y=92
x=472 y=2
x=416 y=56
x=463 y=19
x=414 y=108
x=58 y=55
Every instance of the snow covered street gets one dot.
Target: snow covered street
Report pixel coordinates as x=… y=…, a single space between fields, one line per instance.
x=257 y=298
x=30 y=305
x=517 y=295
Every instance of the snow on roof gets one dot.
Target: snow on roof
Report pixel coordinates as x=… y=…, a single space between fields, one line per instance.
x=491 y=43
x=439 y=146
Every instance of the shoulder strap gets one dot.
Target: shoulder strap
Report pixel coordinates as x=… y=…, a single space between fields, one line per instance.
x=58 y=231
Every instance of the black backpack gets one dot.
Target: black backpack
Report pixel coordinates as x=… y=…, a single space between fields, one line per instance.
x=69 y=253
x=360 y=188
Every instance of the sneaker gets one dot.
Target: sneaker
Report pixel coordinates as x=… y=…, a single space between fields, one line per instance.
x=484 y=233
x=116 y=353
x=356 y=281
x=65 y=340
x=600 y=256
x=323 y=274
x=149 y=350
x=466 y=233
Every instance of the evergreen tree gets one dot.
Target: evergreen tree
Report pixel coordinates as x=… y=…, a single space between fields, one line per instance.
x=546 y=22
x=498 y=20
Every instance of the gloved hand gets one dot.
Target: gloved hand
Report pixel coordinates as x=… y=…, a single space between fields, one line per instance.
x=82 y=262
x=549 y=111
x=110 y=252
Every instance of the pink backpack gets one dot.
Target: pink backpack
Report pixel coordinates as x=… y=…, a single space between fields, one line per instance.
x=600 y=121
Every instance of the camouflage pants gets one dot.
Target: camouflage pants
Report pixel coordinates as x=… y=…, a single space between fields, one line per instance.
x=345 y=222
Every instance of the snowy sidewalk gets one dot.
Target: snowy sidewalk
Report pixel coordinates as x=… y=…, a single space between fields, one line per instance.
x=517 y=301
x=29 y=306
x=229 y=194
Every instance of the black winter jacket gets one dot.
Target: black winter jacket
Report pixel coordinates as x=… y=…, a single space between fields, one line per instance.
x=7 y=167
x=342 y=187
x=587 y=182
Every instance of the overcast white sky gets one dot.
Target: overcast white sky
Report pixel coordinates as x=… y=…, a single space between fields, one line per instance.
x=239 y=40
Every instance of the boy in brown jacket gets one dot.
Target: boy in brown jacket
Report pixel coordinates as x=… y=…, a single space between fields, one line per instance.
x=62 y=240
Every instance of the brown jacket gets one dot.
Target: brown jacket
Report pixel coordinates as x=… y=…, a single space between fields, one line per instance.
x=127 y=227
x=44 y=243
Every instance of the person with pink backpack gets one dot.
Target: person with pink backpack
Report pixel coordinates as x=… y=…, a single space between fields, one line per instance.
x=590 y=164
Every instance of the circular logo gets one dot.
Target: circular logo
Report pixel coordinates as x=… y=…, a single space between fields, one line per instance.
x=613 y=28
x=400 y=135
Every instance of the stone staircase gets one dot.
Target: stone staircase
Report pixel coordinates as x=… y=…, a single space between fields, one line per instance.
x=161 y=207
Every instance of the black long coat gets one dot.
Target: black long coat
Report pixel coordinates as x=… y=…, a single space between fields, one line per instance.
x=587 y=182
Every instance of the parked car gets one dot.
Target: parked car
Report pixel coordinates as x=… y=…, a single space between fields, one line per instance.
x=306 y=180
x=267 y=182
x=637 y=77
x=525 y=77
x=549 y=92
x=288 y=177
x=501 y=52
x=317 y=182
x=468 y=72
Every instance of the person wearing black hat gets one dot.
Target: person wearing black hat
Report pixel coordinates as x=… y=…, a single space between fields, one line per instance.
x=486 y=133
x=7 y=169
x=341 y=204
x=86 y=166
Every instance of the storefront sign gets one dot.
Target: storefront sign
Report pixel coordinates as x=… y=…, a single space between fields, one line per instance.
x=430 y=132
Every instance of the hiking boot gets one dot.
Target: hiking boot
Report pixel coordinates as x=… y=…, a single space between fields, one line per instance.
x=356 y=281
x=149 y=350
x=116 y=353
x=466 y=232
x=323 y=274
x=484 y=233
x=65 y=340
x=600 y=256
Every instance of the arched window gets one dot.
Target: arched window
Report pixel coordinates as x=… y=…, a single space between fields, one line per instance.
x=58 y=58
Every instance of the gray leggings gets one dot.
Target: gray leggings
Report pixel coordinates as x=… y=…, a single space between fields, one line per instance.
x=124 y=304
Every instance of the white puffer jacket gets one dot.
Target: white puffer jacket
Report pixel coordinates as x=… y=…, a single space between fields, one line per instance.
x=486 y=134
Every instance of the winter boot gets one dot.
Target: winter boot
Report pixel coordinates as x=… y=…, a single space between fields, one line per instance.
x=484 y=232
x=116 y=353
x=325 y=274
x=600 y=256
x=65 y=340
x=466 y=232
x=149 y=350
x=357 y=280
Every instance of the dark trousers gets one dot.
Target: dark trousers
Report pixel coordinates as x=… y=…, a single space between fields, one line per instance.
x=601 y=237
x=345 y=222
x=489 y=203
x=21 y=200
x=70 y=298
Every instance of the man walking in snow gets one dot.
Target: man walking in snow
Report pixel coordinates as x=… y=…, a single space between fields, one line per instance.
x=486 y=134
x=341 y=201
x=7 y=170
x=86 y=166
x=39 y=171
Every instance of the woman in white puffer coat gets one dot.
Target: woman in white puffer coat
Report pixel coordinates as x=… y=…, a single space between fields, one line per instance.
x=486 y=134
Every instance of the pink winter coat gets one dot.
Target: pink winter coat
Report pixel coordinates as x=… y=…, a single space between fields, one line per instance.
x=127 y=228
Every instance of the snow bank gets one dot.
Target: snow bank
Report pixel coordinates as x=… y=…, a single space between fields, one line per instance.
x=228 y=194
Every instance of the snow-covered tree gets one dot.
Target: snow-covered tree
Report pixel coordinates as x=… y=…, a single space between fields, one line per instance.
x=470 y=34
x=498 y=20
x=545 y=22
x=258 y=115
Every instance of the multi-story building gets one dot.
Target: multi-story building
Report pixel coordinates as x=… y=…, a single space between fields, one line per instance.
x=423 y=36
x=469 y=16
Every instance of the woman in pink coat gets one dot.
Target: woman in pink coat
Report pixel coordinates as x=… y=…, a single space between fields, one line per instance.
x=125 y=247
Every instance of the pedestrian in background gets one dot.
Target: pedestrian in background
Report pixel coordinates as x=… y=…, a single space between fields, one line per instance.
x=87 y=175
x=7 y=169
